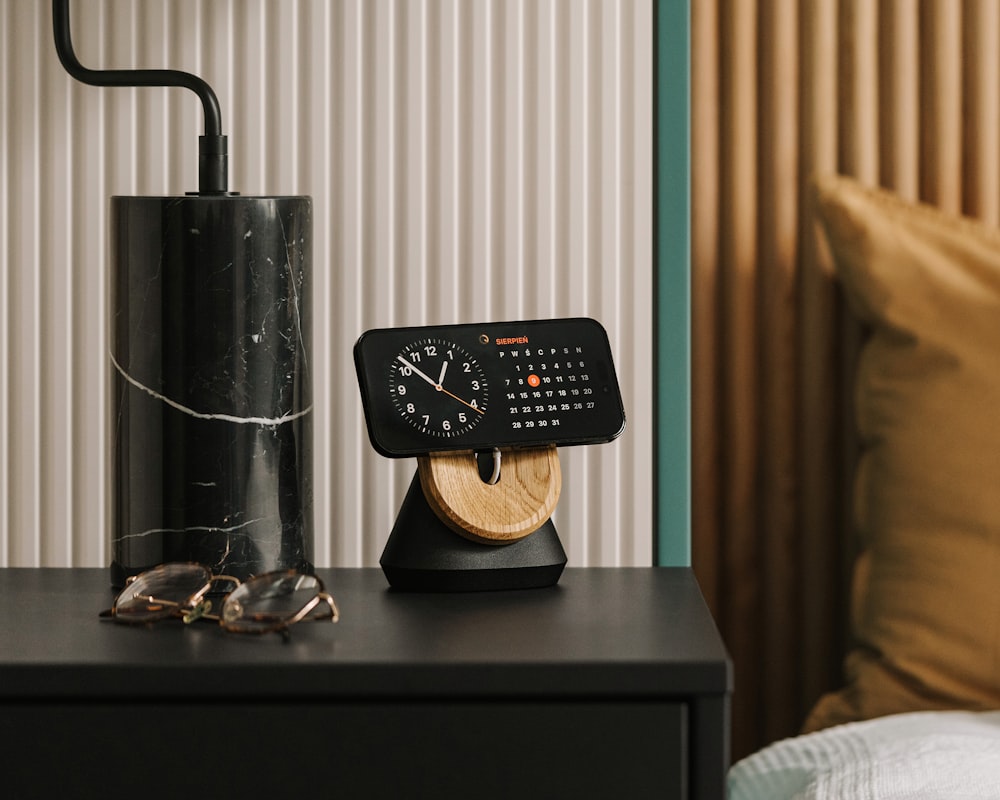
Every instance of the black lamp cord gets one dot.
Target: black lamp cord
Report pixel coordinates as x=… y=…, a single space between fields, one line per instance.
x=213 y=161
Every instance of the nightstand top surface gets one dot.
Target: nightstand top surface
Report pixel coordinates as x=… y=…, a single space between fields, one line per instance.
x=619 y=632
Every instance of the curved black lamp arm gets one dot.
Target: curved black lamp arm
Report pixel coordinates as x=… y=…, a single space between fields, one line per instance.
x=212 y=150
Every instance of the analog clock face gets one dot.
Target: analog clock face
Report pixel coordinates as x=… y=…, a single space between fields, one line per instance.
x=438 y=387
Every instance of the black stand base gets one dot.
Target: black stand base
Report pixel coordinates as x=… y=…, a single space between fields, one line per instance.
x=424 y=555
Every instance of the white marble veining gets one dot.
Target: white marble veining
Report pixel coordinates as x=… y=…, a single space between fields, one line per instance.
x=266 y=421
x=188 y=529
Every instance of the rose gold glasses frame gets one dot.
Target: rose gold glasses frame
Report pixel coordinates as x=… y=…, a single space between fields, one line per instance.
x=197 y=606
x=281 y=624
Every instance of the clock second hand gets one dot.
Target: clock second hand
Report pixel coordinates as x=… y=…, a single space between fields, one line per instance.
x=438 y=386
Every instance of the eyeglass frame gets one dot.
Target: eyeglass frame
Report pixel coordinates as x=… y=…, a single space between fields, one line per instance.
x=197 y=606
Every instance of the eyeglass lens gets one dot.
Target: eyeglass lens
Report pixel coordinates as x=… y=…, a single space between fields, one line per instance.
x=268 y=602
x=159 y=592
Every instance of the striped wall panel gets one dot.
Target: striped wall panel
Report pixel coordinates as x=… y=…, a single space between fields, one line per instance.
x=468 y=161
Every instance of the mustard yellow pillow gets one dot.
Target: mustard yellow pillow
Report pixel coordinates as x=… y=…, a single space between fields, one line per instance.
x=926 y=592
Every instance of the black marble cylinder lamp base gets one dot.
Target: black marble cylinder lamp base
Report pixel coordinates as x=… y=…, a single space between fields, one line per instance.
x=211 y=423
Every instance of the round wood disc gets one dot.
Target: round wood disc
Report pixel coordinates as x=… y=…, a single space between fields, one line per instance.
x=517 y=505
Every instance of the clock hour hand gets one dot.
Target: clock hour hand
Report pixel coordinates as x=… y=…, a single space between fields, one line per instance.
x=444 y=369
x=406 y=363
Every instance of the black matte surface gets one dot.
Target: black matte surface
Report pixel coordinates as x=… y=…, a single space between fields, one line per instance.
x=612 y=683
x=425 y=555
x=616 y=632
x=358 y=751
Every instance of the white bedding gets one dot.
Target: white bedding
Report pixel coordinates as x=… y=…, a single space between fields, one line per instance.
x=925 y=755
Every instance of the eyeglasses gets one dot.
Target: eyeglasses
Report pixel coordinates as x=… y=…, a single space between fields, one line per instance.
x=265 y=603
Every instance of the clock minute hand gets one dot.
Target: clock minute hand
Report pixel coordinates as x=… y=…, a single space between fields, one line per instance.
x=406 y=363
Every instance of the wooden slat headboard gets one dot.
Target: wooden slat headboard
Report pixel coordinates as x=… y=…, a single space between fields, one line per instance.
x=900 y=94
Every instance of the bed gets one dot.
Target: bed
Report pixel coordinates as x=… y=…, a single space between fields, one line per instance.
x=918 y=755
x=917 y=713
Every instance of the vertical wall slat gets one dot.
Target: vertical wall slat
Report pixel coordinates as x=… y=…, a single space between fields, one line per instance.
x=6 y=199
x=23 y=285
x=739 y=321
x=899 y=94
x=316 y=121
x=706 y=394
x=860 y=101
x=779 y=195
x=56 y=293
x=981 y=109
x=88 y=221
x=860 y=155
x=635 y=248
x=466 y=161
x=816 y=440
x=941 y=121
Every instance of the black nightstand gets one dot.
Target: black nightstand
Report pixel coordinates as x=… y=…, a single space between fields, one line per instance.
x=614 y=683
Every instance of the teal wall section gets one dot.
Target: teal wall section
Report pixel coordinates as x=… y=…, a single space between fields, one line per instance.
x=672 y=255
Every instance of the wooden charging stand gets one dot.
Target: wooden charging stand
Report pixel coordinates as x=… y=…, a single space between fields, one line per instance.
x=457 y=532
